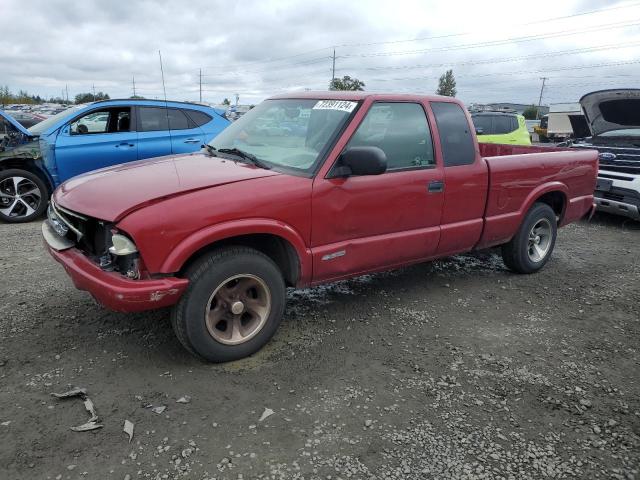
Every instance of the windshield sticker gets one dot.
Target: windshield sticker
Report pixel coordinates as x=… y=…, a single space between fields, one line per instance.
x=341 y=105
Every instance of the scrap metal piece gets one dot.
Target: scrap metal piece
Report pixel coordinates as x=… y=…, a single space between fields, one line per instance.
x=159 y=409
x=88 y=404
x=75 y=392
x=266 y=414
x=85 y=427
x=128 y=429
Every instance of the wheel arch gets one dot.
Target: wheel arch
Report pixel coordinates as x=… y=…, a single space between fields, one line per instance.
x=29 y=165
x=555 y=194
x=277 y=240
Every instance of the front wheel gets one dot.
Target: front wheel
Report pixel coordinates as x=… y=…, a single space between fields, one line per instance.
x=23 y=196
x=233 y=306
x=530 y=249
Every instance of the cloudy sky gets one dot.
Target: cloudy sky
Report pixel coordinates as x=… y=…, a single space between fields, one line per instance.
x=498 y=50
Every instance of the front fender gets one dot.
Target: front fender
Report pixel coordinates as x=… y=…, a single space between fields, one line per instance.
x=222 y=231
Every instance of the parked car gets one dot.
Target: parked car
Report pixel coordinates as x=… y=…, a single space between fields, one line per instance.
x=613 y=117
x=27 y=119
x=86 y=137
x=503 y=128
x=374 y=182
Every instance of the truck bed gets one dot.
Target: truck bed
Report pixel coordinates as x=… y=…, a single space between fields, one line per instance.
x=518 y=175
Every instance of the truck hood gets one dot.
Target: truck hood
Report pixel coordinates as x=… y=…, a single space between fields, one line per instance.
x=15 y=123
x=111 y=193
x=608 y=110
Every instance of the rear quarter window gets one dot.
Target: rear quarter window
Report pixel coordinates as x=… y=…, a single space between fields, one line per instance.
x=456 y=138
x=198 y=117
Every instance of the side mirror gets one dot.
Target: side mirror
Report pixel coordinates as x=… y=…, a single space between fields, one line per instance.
x=479 y=131
x=358 y=161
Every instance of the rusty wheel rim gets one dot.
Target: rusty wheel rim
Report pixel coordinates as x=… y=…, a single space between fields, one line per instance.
x=238 y=309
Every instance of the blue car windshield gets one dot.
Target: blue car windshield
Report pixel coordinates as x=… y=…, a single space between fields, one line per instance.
x=287 y=133
x=44 y=125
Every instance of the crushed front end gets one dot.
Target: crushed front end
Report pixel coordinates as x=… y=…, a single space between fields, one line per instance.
x=105 y=262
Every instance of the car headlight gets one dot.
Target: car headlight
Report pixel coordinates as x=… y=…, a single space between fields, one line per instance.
x=122 y=245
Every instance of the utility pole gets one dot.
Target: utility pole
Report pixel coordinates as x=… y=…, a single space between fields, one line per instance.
x=66 y=87
x=200 y=85
x=134 y=85
x=333 y=69
x=544 y=79
x=93 y=87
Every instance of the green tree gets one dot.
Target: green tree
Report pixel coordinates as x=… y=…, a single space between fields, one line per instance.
x=226 y=102
x=346 y=83
x=90 y=97
x=447 y=84
x=5 y=95
x=531 y=112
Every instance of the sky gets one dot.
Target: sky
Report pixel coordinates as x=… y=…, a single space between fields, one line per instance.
x=498 y=50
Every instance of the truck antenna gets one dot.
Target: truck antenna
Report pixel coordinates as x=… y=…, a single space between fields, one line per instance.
x=166 y=106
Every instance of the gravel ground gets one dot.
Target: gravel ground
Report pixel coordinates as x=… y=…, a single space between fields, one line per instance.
x=453 y=369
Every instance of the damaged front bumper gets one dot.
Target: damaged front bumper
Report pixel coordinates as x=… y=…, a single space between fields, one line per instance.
x=112 y=289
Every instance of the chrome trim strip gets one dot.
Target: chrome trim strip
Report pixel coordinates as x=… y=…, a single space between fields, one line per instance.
x=78 y=233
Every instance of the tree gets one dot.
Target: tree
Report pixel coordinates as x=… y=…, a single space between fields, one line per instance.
x=5 y=95
x=447 y=84
x=531 y=113
x=226 y=102
x=90 y=97
x=346 y=83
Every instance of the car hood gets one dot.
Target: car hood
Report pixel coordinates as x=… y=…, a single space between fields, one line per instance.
x=15 y=123
x=111 y=193
x=608 y=110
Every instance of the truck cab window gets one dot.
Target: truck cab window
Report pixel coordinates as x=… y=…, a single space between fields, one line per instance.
x=401 y=130
x=455 y=134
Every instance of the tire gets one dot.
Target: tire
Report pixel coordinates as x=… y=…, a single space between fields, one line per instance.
x=32 y=198
x=221 y=284
x=529 y=251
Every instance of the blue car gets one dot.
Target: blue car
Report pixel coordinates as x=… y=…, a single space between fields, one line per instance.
x=34 y=161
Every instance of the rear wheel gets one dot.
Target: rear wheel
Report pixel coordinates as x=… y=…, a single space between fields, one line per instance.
x=23 y=196
x=233 y=306
x=530 y=249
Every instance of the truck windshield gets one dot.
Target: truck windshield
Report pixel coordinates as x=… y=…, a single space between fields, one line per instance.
x=289 y=133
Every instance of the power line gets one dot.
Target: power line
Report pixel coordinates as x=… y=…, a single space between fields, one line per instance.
x=329 y=47
x=616 y=46
x=564 y=17
x=493 y=43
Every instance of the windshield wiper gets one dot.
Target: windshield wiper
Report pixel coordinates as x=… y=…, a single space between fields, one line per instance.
x=237 y=153
x=245 y=156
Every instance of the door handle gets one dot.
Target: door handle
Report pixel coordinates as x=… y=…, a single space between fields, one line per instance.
x=436 y=186
x=125 y=144
x=192 y=140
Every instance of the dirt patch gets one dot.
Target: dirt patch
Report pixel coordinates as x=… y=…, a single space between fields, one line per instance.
x=452 y=369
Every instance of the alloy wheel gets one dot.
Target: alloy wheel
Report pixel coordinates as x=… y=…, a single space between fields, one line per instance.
x=539 y=241
x=19 y=197
x=238 y=309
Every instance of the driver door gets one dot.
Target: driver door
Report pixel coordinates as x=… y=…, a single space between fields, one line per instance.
x=97 y=139
x=365 y=223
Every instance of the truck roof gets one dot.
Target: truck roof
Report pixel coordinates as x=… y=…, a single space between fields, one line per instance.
x=360 y=95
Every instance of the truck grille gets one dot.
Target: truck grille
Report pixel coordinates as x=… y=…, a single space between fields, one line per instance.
x=88 y=234
x=616 y=159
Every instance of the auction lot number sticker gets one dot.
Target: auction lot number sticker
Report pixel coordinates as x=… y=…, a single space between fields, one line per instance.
x=341 y=105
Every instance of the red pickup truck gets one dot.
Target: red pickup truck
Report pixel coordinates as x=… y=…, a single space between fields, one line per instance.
x=304 y=189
